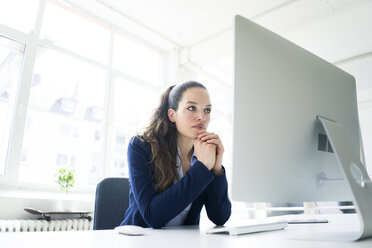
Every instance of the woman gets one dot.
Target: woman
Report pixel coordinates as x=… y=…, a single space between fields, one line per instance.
x=175 y=165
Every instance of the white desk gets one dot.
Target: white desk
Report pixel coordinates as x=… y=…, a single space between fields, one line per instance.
x=191 y=237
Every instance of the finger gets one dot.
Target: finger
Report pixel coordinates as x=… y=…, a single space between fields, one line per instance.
x=214 y=141
x=213 y=147
x=206 y=135
x=203 y=134
x=197 y=143
x=217 y=142
x=218 y=146
x=209 y=137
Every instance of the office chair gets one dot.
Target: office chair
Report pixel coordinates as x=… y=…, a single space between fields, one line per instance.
x=112 y=200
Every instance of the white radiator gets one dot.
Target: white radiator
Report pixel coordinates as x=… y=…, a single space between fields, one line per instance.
x=45 y=226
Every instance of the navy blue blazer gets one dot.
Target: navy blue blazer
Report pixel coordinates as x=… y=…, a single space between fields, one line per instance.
x=149 y=208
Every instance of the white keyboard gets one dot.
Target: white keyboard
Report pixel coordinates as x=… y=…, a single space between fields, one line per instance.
x=250 y=228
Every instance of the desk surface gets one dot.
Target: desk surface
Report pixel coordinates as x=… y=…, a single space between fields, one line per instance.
x=190 y=237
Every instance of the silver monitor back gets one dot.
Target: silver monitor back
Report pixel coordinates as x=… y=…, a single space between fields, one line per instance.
x=279 y=90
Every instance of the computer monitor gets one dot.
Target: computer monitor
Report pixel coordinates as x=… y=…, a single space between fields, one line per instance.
x=280 y=149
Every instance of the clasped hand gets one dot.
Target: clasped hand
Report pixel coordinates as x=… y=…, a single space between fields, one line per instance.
x=209 y=150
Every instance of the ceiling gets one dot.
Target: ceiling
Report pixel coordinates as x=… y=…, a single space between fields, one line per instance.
x=339 y=31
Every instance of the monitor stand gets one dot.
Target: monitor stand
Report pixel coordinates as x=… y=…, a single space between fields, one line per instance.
x=354 y=173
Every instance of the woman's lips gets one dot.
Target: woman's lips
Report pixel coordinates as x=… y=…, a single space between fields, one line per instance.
x=200 y=127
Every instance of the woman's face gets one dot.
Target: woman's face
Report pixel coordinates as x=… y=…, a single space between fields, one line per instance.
x=193 y=113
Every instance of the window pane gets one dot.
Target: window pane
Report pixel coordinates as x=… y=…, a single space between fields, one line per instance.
x=19 y=14
x=136 y=59
x=64 y=120
x=133 y=108
x=75 y=31
x=11 y=55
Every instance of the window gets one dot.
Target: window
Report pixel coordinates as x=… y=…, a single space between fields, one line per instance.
x=81 y=109
x=11 y=56
x=75 y=31
x=136 y=59
x=133 y=108
x=21 y=18
x=64 y=117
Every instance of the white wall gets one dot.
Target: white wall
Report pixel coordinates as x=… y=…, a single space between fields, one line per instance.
x=12 y=203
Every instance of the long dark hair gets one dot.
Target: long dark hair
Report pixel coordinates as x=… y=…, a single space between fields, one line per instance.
x=161 y=134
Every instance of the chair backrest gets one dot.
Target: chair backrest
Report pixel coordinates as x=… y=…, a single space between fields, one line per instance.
x=112 y=200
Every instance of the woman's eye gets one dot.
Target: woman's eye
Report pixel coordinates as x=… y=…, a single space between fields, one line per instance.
x=208 y=110
x=191 y=108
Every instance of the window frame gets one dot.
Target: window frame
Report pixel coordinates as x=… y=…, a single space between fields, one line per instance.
x=32 y=42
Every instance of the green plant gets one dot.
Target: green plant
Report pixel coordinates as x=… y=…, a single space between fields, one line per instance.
x=65 y=179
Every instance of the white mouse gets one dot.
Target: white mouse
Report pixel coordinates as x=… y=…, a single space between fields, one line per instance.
x=130 y=230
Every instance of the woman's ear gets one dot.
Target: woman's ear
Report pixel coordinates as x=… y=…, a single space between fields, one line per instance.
x=171 y=115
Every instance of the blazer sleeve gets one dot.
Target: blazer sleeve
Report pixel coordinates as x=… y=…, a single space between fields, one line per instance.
x=218 y=205
x=156 y=208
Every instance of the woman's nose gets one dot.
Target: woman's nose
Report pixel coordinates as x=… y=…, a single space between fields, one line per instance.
x=201 y=116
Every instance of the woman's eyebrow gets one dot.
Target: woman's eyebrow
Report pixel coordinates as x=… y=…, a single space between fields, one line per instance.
x=191 y=102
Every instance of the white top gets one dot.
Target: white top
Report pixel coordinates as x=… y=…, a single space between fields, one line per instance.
x=180 y=219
